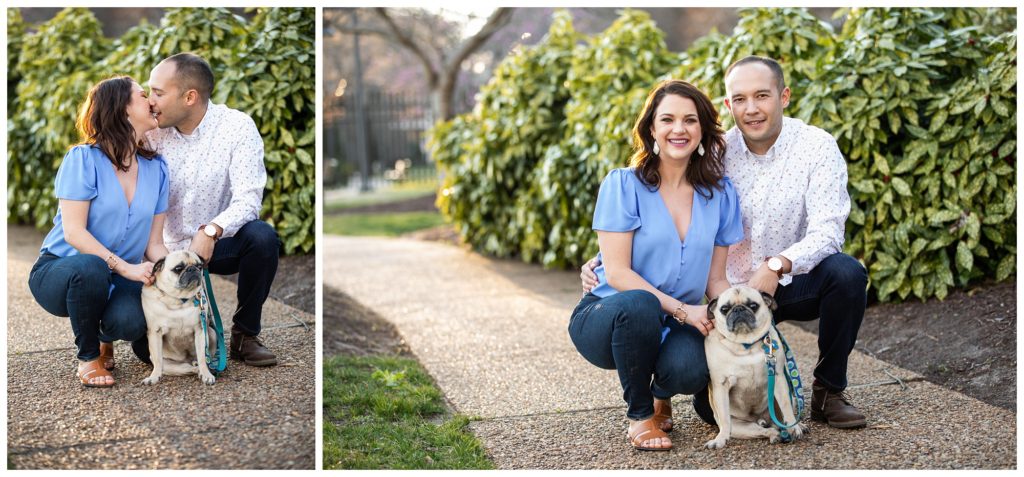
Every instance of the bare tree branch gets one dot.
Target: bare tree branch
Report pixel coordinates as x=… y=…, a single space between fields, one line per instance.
x=496 y=22
x=410 y=44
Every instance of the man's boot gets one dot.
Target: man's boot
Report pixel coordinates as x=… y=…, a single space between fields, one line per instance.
x=250 y=350
x=834 y=408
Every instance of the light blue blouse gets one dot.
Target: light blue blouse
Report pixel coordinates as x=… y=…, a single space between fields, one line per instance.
x=677 y=268
x=87 y=174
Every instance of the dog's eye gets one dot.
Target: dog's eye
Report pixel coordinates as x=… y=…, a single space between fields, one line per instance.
x=178 y=269
x=724 y=309
x=753 y=306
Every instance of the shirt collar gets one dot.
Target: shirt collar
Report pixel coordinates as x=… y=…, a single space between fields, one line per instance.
x=780 y=141
x=197 y=133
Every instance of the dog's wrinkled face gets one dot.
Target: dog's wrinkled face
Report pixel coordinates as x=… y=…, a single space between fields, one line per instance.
x=179 y=273
x=742 y=313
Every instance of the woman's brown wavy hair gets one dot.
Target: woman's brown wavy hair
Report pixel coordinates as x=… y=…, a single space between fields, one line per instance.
x=704 y=171
x=103 y=121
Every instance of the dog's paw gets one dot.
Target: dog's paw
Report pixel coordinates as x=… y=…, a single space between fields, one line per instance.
x=799 y=430
x=151 y=380
x=773 y=436
x=715 y=444
x=207 y=378
x=763 y=423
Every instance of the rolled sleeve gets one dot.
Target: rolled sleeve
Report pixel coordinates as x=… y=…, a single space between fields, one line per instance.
x=827 y=205
x=248 y=177
x=165 y=186
x=730 y=217
x=616 y=209
x=76 y=177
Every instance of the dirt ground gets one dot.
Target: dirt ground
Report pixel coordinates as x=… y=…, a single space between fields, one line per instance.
x=968 y=342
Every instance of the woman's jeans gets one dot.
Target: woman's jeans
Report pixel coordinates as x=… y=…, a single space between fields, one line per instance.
x=102 y=305
x=623 y=332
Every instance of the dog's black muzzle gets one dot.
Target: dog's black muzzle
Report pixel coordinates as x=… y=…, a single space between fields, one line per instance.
x=740 y=316
x=190 y=277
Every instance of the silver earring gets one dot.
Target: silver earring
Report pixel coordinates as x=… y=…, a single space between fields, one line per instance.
x=700 y=149
x=656 y=150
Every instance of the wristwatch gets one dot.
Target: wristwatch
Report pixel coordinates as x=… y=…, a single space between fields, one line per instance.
x=775 y=265
x=210 y=231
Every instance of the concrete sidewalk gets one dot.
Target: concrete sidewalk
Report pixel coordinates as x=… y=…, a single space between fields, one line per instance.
x=252 y=418
x=493 y=335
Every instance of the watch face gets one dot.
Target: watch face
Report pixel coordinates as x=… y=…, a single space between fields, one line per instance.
x=775 y=264
x=210 y=230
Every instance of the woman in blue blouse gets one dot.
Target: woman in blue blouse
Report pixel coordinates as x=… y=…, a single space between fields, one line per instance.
x=664 y=226
x=108 y=230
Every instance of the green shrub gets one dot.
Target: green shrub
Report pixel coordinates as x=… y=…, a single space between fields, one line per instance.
x=54 y=65
x=491 y=153
x=69 y=54
x=921 y=101
x=923 y=108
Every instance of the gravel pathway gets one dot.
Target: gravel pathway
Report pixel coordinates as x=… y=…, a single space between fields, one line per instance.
x=252 y=418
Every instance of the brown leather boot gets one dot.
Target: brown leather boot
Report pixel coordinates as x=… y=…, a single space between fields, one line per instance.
x=251 y=351
x=834 y=408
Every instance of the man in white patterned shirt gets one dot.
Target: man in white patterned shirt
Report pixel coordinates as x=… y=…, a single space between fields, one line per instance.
x=214 y=157
x=791 y=180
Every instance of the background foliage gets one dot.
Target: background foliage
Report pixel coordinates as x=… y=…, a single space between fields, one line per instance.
x=264 y=67
x=921 y=102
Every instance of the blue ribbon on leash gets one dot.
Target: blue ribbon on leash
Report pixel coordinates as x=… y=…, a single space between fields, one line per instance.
x=221 y=363
x=793 y=381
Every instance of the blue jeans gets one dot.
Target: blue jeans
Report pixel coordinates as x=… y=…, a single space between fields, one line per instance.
x=835 y=291
x=79 y=287
x=252 y=253
x=623 y=332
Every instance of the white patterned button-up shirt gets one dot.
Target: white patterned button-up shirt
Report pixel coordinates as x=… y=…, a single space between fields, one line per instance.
x=216 y=173
x=794 y=200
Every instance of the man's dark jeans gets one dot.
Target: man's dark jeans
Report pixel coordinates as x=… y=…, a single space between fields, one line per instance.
x=835 y=291
x=623 y=332
x=252 y=253
x=79 y=287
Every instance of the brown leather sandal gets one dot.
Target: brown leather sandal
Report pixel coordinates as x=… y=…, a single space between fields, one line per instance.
x=645 y=431
x=92 y=370
x=107 y=355
x=663 y=414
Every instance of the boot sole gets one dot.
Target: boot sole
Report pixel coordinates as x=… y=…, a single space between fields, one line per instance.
x=263 y=363
x=820 y=417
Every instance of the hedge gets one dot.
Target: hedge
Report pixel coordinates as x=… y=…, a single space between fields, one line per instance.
x=264 y=67
x=921 y=102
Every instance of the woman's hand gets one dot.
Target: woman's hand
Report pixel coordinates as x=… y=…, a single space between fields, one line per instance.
x=697 y=317
x=142 y=272
x=587 y=275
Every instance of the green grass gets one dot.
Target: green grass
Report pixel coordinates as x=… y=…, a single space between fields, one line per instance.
x=396 y=193
x=384 y=412
x=389 y=224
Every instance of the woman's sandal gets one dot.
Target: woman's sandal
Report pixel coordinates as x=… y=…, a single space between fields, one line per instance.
x=92 y=371
x=663 y=414
x=646 y=431
x=107 y=355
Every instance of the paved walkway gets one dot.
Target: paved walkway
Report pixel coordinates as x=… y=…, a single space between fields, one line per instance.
x=493 y=335
x=252 y=418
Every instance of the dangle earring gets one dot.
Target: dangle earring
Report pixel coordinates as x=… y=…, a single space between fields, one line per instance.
x=656 y=150
x=700 y=149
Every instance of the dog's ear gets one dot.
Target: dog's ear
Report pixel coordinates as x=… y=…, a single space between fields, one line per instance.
x=769 y=301
x=711 y=307
x=159 y=265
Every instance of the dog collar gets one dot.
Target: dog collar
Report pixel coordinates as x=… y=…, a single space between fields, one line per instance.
x=759 y=340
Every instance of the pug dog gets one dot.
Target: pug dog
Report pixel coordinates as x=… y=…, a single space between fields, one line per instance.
x=739 y=376
x=177 y=341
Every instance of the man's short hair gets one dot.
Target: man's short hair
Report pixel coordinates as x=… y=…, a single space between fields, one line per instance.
x=780 y=78
x=193 y=72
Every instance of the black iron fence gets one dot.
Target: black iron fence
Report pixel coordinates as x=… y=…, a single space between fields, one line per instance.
x=394 y=132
